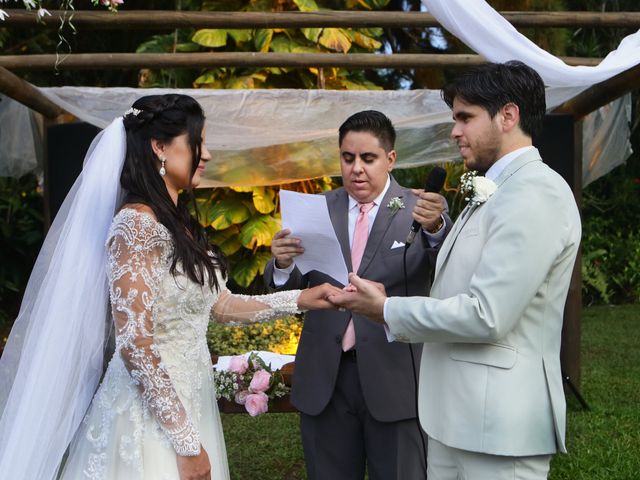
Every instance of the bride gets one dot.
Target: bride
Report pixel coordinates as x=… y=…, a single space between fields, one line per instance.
x=154 y=415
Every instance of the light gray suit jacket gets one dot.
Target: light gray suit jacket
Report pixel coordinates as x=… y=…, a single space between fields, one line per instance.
x=490 y=379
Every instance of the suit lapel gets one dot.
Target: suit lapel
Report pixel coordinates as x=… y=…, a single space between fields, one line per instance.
x=443 y=254
x=380 y=225
x=513 y=167
x=338 y=205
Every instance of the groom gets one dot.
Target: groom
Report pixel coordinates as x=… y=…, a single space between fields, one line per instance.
x=490 y=394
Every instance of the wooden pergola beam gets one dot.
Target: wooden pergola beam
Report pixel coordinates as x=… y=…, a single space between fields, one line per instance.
x=25 y=93
x=169 y=19
x=601 y=94
x=110 y=61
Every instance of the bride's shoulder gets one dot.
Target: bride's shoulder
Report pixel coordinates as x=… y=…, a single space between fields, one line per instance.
x=135 y=221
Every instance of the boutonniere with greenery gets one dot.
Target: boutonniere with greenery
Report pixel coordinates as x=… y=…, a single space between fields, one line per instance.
x=477 y=190
x=395 y=204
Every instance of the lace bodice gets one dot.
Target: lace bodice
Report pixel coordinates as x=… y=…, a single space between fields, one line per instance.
x=161 y=321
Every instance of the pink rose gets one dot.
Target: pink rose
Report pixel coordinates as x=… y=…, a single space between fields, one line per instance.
x=238 y=364
x=256 y=403
x=241 y=397
x=260 y=381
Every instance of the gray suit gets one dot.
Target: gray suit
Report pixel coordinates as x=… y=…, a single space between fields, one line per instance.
x=384 y=370
x=490 y=380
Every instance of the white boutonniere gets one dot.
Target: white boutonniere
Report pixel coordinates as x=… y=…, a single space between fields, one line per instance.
x=395 y=204
x=477 y=189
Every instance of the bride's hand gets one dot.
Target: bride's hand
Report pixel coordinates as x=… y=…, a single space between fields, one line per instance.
x=194 y=468
x=316 y=298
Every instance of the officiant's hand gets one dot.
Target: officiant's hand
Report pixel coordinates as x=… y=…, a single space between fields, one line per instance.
x=194 y=468
x=284 y=248
x=316 y=298
x=429 y=210
x=367 y=299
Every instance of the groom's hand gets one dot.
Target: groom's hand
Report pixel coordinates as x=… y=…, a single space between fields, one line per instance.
x=367 y=300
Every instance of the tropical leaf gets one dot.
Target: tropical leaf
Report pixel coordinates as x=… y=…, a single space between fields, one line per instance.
x=335 y=39
x=209 y=79
x=258 y=231
x=244 y=82
x=227 y=240
x=373 y=4
x=240 y=35
x=264 y=199
x=312 y=34
x=227 y=212
x=365 y=41
x=282 y=44
x=187 y=47
x=242 y=189
x=248 y=268
x=304 y=49
x=210 y=37
x=262 y=39
x=306 y=5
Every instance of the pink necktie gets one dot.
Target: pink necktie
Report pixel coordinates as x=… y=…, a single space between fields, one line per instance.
x=360 y=235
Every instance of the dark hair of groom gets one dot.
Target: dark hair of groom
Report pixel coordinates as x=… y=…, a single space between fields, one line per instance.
x=493 y=85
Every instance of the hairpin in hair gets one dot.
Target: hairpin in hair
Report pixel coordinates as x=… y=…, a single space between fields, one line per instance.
x=133 y=111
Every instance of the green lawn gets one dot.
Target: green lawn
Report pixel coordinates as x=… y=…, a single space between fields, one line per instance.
x=604 y=443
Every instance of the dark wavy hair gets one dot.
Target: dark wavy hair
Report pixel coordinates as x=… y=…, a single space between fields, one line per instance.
x=163 y=118
x=493 y=85
x=373 y=122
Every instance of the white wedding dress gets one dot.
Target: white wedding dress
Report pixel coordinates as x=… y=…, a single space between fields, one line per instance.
x=157 y=397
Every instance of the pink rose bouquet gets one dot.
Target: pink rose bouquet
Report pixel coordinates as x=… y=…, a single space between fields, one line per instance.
x=249 y=382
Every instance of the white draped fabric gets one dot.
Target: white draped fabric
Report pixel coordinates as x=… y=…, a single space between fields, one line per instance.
x=488 y=33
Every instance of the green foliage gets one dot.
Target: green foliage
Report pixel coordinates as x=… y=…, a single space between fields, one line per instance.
x=243 y=220
x=279 y=336
x=21 y=235
x=611 y=237
x=278 y=40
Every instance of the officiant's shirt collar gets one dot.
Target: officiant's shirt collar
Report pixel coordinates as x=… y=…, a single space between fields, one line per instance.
x=353 y=202
x=496 y=169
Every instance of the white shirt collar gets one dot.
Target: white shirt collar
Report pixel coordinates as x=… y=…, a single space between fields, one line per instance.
x=353 y=202
x=496 y=169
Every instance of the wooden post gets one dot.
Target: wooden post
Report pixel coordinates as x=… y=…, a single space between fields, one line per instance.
x=560 y=146
x=602 y=93
x=25 y=93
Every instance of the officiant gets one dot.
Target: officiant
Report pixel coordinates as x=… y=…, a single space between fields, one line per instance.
x=355 y=390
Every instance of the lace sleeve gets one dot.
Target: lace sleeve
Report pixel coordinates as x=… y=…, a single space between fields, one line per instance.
x=136 y=265
x=242 y=309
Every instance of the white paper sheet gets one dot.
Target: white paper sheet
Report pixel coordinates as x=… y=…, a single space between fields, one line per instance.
x=307 y=216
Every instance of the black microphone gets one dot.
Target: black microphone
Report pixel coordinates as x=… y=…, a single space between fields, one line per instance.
x=435 y=182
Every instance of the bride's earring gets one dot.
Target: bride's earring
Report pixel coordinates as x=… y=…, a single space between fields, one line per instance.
x=163 y=171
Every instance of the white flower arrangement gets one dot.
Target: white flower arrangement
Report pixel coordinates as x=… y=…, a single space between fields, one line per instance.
x=477 y=189
x=395 y=204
